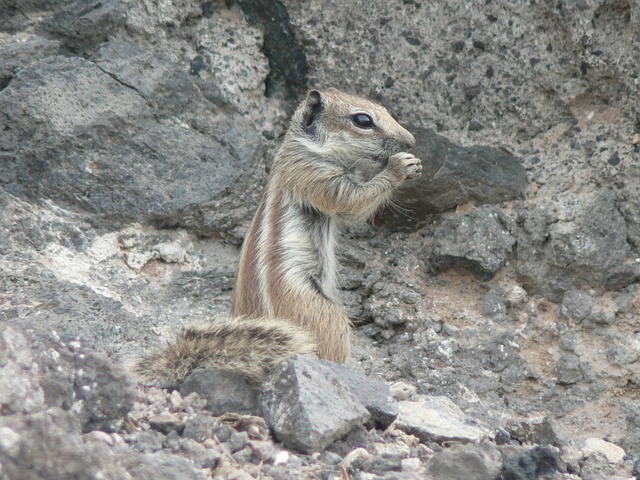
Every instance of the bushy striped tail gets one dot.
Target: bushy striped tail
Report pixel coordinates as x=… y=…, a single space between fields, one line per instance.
x=249 y=347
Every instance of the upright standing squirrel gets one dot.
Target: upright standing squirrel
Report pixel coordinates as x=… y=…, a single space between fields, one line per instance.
x=341 y=159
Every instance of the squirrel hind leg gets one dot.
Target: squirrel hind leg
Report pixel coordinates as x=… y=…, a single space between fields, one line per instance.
x=249 y=347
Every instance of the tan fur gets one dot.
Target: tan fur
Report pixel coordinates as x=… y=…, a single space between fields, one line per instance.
x=328 y=170
x=251 y=347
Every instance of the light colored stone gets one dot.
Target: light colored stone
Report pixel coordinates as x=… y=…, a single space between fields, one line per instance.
x=612 y=452
x=171 y=252
x=137 y=260
x=166 y=422
x=402 y=390
x=9 y=440
x=411 y=465
x=438 y=419
x=99 y=436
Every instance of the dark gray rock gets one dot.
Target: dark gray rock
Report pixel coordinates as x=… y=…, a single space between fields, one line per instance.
x=231 y=211
x=24 y=230
x=16 y=55
x=159 y=466
x=287 y=61
x=372 y=393
x=73 y=310
x=224 y=391
x=307 y=405
x=454 y=175
x=536 y=430
x=494 y=305
x=243 y=456
x=512 y=376
x=502 y=436
x=20 y=390
x=630 y=205
x=105 y=388
x=19 y=15
x=500 y=352
x=111 y=156
x=466 y=462
x=149 y=441
x=358 y=437
x=85 y=23
x=631 y=411
x=595 y=466
x=238 y=441
x=531 y=465
x=569 y=368
x=575 y=240
x=69 y=376
x=390 y=305
x=264 y=451
x=387 y=462
x=623 y=275
x=577 y=304
x=171 y=92
x=200 y=427
x=45 y=445
x=200 y=455
x=624 y=300
x=480 y=240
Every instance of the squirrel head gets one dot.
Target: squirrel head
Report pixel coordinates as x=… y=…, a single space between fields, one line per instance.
x=347 y=128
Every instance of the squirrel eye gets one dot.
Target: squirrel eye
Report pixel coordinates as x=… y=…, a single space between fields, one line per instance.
x=363 y=120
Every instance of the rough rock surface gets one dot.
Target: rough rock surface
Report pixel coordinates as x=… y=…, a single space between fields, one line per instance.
x=107 y=153
x=61 y=373
x=308 y=406
x=224 y=391
x=574 y=241
x=466 y=462
x=480 y=240
x=539 y=462
x=439 y=419
x=455 y=175
x=135 y=141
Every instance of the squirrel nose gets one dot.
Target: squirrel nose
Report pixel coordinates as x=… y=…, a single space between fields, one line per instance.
x=409 y=141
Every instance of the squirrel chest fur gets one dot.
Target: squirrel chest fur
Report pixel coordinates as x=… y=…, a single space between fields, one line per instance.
x=341 y=159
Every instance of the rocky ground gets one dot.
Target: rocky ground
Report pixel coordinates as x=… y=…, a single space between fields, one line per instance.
x=498 y=298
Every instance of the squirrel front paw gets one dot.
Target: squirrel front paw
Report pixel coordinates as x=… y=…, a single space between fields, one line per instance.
x=406 y=165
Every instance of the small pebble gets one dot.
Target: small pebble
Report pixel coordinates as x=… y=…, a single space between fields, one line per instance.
x=176 y=399
x=98 y=436
x=411 y=464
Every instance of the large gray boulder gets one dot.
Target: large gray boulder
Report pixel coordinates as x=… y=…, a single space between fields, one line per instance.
x=42 y=370
x=455 y=175
x=573 y=241
x=88 y=139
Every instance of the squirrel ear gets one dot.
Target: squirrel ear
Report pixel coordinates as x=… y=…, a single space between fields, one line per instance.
x=315 y=98
x=315 y=103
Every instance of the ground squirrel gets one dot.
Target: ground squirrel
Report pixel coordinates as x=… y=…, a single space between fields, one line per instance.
x=341 y=159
